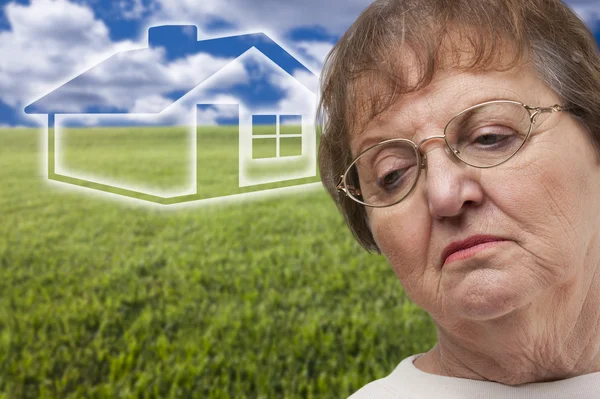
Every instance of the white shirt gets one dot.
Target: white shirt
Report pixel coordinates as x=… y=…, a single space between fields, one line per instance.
x=408 y=382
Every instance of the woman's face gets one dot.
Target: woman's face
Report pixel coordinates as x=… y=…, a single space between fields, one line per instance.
x=544 y=203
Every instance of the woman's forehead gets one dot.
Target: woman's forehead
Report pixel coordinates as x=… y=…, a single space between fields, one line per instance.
x=410 y=67
x=450 y=92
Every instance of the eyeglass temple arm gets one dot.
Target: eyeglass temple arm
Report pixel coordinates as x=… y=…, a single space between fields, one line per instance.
x=543 y=110
x=346 y=189
x=341 y=186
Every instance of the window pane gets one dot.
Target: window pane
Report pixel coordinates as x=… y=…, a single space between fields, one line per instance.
x=264 y=124
x=264 y=148
x=290 y=146
x=290 y=124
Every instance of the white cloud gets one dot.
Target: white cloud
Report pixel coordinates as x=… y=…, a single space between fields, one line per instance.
x=133 y=10
x=56 y=22
x=271 y=14
x=152 y=104
x=141 y=81
x=7 y=126
x=53 y=41
x=198 y=67
x=297 y=98
x=317 y=51
x=274 y=18
x=259 y=70
x=208 y=116
x=50 y=42
x=588 y=10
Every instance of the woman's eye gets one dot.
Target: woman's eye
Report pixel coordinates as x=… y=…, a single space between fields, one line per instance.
x=496 y=137
x=489 y=139
x=391 y=180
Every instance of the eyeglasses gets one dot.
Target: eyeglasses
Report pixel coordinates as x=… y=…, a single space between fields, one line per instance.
x=483 y=136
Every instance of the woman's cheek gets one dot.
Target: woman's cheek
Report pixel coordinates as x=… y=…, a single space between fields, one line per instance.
x=399 y=240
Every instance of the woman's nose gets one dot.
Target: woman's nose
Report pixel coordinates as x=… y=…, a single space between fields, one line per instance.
x=451 y=185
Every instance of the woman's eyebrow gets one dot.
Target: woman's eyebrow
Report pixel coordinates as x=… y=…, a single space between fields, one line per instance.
x=372 y=137
x=396 y=128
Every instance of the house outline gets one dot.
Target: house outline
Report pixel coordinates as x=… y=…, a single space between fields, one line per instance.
x=257 y=43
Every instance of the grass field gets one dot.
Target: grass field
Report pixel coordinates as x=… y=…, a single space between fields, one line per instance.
x=159 y=160
x=103 y=298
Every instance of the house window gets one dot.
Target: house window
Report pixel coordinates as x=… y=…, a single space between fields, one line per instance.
x=276 y=136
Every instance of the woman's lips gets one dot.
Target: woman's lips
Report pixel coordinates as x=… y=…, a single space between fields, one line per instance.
x=469 y=247
x=465 y=253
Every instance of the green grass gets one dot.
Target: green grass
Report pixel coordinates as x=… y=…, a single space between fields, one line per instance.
x=264 y=148
x=104 y=298
x=290 y=129
x=158 y=160
x=291 y=146
x=157 y=157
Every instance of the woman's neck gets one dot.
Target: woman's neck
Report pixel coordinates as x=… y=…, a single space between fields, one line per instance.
x=524 y=347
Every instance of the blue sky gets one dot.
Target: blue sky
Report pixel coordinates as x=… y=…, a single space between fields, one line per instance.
x=46 y=43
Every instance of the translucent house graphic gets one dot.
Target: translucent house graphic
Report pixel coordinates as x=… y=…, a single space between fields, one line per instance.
x=242 y=108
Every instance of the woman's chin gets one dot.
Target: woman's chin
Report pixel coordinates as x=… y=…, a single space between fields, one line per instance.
x=486 y=294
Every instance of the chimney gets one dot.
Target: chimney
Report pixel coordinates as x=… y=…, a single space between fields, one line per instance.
x=179 y=37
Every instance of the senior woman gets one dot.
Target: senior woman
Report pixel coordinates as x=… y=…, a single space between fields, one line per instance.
x=461 y=141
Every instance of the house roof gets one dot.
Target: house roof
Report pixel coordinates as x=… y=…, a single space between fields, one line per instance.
x=83 y=94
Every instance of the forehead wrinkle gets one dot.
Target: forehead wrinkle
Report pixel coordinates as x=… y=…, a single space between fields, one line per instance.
x=403 y=121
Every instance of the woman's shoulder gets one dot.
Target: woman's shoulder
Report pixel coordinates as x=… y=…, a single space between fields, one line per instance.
x=378 y=389
x=387 y=387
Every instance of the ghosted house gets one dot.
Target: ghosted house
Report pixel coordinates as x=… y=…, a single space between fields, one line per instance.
x=176 y=81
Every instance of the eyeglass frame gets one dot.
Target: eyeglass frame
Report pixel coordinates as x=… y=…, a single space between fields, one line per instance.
x=350 y=191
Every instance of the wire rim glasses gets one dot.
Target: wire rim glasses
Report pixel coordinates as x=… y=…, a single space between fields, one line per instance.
x=387 y=172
